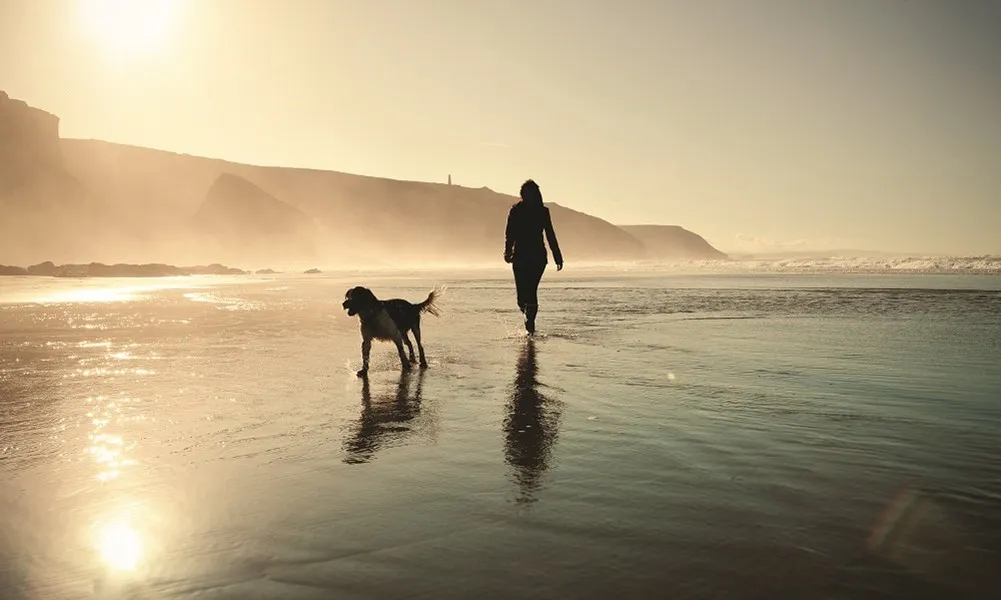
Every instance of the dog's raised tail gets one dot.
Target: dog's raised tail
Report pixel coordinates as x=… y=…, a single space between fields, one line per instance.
x=429 y=306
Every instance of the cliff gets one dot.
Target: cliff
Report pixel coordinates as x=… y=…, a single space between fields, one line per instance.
x=358 y=219
x=671 y=242
x=84 y=200
x=44 y=209
x=29 y=142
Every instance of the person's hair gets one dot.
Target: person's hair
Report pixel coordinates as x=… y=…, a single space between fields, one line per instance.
x=530 y=193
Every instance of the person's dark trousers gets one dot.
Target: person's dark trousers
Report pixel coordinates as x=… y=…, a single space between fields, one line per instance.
x=527 y=277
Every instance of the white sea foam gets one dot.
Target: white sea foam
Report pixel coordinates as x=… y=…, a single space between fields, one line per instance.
x=978 y=265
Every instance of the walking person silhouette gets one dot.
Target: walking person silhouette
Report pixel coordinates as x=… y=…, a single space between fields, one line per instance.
x=525 y=249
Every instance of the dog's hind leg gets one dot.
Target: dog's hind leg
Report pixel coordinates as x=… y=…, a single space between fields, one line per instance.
x=398 y=340
x=420 y=346
x=410 y=347
x=366 y=349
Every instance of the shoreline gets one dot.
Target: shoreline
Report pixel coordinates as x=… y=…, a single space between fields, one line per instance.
x=989 y=266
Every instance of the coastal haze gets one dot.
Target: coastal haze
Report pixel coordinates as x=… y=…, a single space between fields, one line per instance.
x=769 y=368
x=85 y=200
x=760 y=126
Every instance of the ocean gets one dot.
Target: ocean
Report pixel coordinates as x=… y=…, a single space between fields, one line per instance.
x=759 y=434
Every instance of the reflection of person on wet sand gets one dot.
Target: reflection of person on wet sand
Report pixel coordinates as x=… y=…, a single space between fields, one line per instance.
x=376 y=427
x=530 y=427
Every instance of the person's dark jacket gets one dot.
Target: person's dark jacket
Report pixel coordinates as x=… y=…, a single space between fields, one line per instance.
x=523 y=240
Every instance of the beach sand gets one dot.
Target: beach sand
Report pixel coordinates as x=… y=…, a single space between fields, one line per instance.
x=682 y=436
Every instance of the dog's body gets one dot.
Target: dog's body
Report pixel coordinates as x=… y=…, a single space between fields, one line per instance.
x=389 y=320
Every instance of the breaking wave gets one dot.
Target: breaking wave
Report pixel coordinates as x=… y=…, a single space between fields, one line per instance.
x=978 y=265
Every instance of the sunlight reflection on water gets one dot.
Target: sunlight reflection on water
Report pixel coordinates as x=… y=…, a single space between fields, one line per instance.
x=95 y=295
x=58 y=290
x=119 y=545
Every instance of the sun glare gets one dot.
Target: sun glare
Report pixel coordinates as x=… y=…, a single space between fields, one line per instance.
x=129 y=27
x=120 y=546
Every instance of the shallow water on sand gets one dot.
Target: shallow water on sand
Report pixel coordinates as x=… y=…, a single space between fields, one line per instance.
x=724 y=436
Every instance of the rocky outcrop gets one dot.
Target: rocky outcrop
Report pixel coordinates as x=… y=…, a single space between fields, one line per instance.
x=9 y=271
x=45 y=269
x=248 y=222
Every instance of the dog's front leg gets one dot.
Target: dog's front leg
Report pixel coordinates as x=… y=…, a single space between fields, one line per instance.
x=366 y=349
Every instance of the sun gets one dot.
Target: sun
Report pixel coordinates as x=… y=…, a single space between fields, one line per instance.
x=129 y=27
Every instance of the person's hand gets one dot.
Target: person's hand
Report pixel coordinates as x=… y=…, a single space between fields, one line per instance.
x=559 y=266
x=508 y=258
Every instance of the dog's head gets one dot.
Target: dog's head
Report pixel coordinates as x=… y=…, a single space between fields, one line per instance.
x=359 y=299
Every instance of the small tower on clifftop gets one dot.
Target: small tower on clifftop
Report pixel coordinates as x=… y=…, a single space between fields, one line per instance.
x=449 y=179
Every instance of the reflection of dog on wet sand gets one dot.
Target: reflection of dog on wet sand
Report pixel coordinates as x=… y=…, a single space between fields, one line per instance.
x=385 y=421
x=389 y=320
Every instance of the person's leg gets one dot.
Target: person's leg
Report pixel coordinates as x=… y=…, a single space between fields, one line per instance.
x=520 y=278
x=532 y=295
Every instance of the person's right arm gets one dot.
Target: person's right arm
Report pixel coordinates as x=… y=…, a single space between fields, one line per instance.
x=553 y=244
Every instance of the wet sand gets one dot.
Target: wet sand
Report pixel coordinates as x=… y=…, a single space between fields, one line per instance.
x=718 y=436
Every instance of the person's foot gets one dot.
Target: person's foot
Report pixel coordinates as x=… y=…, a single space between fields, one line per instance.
x=530 y=323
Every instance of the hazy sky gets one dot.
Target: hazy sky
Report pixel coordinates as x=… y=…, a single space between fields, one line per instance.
x=873 y=124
